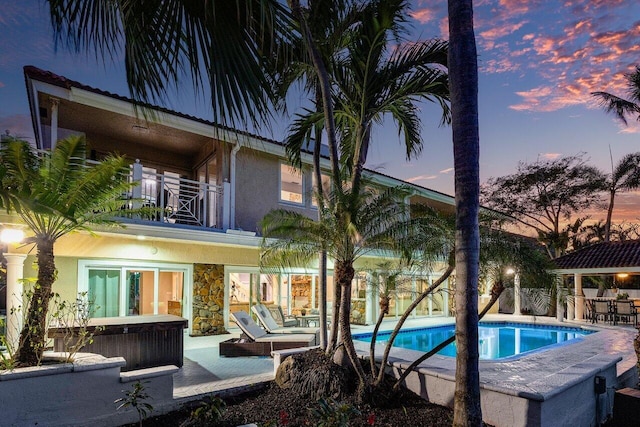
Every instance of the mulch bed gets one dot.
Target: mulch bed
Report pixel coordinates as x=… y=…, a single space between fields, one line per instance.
x=276 y=407
x=279 y=407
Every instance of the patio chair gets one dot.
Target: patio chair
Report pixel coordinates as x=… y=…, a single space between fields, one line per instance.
x=259 y=342
x=604 y=309
x=270 y=325
x=279 y=317
x=625 y=311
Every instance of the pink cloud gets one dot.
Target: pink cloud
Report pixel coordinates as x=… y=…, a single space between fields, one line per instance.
x=502 y=31
x=515 y=7
x=424 y=15
x=493 y=66
x=447 y=170
x=550 y=156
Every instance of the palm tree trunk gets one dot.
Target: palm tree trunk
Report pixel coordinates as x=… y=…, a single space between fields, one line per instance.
x=496 y=291
x=322 y=256
x=405 y=315
x=607 y=224
x=335 y=317
x=33 y=334
x=463 y=80
x=344 y=273
x=325 y=90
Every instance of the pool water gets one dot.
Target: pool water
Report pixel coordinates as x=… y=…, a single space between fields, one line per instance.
x=496 y=340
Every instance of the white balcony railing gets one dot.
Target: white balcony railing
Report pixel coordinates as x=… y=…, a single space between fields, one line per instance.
x=179 y=200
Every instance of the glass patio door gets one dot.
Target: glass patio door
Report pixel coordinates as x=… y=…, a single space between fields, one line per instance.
x=104 y=292
x=141 y=292
x=131 y=291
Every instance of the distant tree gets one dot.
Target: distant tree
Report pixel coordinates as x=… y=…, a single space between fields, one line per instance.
x=546 y=195
x=621 y=107
x=624 y=177
x=54 y=194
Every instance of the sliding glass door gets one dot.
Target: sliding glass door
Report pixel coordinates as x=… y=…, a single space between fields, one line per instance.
x=131 y=290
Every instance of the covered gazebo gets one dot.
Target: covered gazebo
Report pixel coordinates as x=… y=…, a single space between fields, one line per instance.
x=606 y=258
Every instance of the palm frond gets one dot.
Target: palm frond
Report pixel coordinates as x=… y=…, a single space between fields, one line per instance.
x=617 y=106
x=219 y=45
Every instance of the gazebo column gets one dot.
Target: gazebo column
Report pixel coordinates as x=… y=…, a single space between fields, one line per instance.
x=579 y=296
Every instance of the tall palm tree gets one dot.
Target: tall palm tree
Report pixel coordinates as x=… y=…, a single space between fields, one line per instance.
x=463 y=83
x=54 y=194
x=624 y=177
x=621 y=107
x=325 y=23
x=215 y=45
x=367 y=82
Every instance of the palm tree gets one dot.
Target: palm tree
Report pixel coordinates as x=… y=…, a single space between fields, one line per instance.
x=55 y=193
x=325 y=23
x=217 y=45
x=372 y=221
x=621 y=107
x=367 y=83
x=624 y=177
x=463 y=78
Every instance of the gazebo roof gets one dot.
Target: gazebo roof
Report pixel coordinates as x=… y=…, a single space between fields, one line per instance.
x=611 y=256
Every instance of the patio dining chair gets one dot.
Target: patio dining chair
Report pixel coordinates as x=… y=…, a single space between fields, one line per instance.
x=602 y=309
x=625 y=311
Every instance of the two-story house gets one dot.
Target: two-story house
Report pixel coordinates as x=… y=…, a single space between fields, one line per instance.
x=199 y=256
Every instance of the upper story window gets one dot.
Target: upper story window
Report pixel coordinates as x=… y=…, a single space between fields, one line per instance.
x=291 y=189
x=326 y=187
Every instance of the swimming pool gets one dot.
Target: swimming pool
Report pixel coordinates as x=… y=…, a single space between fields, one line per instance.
x=497 y=340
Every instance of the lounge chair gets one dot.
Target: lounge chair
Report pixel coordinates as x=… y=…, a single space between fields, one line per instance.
x=270 y=325
x=279 y=317
x=257 y=342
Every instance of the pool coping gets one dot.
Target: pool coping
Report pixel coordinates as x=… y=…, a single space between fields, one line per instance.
x=537 y=376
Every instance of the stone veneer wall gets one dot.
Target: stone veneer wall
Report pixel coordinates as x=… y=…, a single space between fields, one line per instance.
x=358 y=307
x=208 y=300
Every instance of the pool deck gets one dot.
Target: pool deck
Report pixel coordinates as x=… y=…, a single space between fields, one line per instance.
x=206 y=372
x=538 y=377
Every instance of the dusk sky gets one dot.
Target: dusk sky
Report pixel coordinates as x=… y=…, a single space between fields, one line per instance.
x=538 y=62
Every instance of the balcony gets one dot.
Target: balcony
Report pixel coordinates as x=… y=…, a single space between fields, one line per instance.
x=180 y=201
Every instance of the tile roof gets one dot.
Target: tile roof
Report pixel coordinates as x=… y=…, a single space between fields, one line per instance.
x=603 y=255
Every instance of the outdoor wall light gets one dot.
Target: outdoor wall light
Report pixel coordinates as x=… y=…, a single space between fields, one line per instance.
x=622 y=275
x=11 y=235
x=510 y=271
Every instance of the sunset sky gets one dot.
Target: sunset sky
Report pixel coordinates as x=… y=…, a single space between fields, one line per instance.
x=538 y=61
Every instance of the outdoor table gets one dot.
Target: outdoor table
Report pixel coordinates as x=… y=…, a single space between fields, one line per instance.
x=308 y=318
